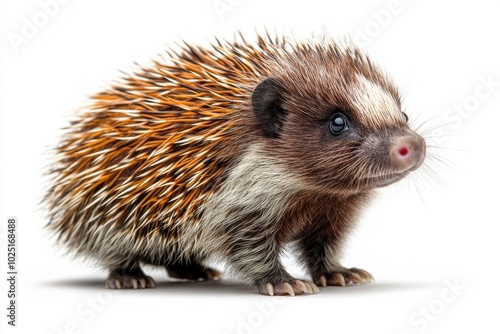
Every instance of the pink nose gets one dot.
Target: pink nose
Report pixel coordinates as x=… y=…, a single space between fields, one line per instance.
x=408 y=154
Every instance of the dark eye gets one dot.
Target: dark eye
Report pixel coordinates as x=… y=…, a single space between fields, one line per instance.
x=405 y=116
x=338 y=124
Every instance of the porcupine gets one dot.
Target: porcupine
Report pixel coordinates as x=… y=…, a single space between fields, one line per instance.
x=231 y=152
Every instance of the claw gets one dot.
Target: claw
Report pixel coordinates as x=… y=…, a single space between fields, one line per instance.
x=355 y=278
x=366 y=276
x=289 y=289
x=303 y=286
x=322 y=280
x=150 y=282
x=270 y=289
x=338 y=279
x=312 y=287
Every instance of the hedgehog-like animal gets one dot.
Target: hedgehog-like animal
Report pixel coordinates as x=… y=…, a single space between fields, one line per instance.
x=230 y=153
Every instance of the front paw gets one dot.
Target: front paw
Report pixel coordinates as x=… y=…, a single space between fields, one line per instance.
x=343 y=277
x=292 y=287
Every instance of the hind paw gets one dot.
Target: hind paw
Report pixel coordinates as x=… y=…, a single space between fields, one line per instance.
x=343 y=277
x=193 y=272
x=129 y=279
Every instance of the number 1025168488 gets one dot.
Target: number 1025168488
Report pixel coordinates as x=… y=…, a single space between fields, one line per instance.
x=11 y=244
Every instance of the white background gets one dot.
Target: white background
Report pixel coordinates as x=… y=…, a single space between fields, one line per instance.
x=421 y=236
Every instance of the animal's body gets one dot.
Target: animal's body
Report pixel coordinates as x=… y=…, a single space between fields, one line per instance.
x=232 y=152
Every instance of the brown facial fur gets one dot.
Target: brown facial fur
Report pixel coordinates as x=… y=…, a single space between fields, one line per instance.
x=319 y=82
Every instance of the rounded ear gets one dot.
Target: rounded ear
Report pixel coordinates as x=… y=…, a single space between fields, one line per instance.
x=266 y=104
